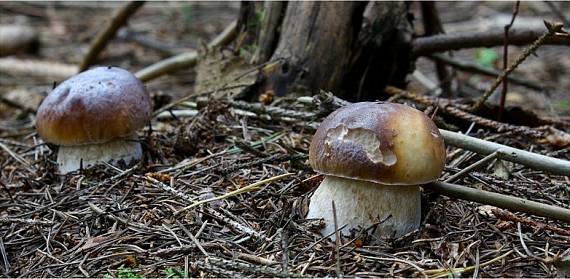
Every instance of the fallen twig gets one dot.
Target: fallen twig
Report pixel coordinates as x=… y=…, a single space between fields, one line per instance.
x=500 y=200
x=224 y=38
x=445 y=42
x=184 y=60
x=508 y=216
x=249 y=268
x=180 y=61
x=475 y=166
x=46 y=69
x=29 y=222
x=99 y=43
x=529 y=159
x=444 y=272
x=249 y=188
x=184 y=249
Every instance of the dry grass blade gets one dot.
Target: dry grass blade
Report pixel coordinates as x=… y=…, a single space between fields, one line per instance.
x=252 y=187
x=439 y=273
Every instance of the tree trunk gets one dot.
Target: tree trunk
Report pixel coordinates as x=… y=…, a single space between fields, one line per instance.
x=352 y=49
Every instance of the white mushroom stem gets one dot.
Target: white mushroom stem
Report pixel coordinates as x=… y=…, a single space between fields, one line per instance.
x=362 y=204
x=70 y=158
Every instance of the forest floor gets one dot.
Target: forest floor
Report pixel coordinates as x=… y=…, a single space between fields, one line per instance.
x=129 y=222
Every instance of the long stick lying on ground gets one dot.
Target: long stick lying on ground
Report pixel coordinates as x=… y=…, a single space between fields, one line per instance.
x=529 y=159
x=38 y=68
x=445 y=42
x=99 y=43
x=500 y=200
x=185 y=60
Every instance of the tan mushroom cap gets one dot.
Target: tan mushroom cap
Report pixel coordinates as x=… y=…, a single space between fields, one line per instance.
x=95 y=106
x=385 y=143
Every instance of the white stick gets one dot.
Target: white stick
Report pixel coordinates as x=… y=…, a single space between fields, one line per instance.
x=529 y=159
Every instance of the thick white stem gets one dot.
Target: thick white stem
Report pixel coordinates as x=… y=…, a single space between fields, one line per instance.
x=70 y=158
x=362 y=204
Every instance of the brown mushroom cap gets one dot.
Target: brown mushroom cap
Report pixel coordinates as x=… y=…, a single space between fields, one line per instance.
x=95 y=106
x=385 y=143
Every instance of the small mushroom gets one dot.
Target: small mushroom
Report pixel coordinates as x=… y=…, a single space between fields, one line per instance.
x=373 y=157
x=93 y=117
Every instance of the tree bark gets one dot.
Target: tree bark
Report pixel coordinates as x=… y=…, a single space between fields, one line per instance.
x=351 y=48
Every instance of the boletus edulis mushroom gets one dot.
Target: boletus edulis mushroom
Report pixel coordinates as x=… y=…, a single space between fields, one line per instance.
x=93 y=117
x=373 y=157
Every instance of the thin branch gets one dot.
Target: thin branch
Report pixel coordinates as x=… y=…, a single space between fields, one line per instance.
x=531 y=49
x=440 y=43
x=228 y=34
x=508 y=216
x=38 y=68
x=28 y=222
x=445 y=272
x=500 y=200
x=99 y=43
x=171 y=64
x=529 y=159
x=185 y=60
x=252 y=187
x=506 y=59
x=479 y=164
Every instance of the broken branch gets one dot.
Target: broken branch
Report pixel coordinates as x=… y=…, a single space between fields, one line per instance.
x=529 y=159
x=99 y=43
x=445 y=42
x=500 y=200
x=185 y=60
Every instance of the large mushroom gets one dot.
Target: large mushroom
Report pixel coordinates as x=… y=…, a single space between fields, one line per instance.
x=93 y=117
x=373 y=157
